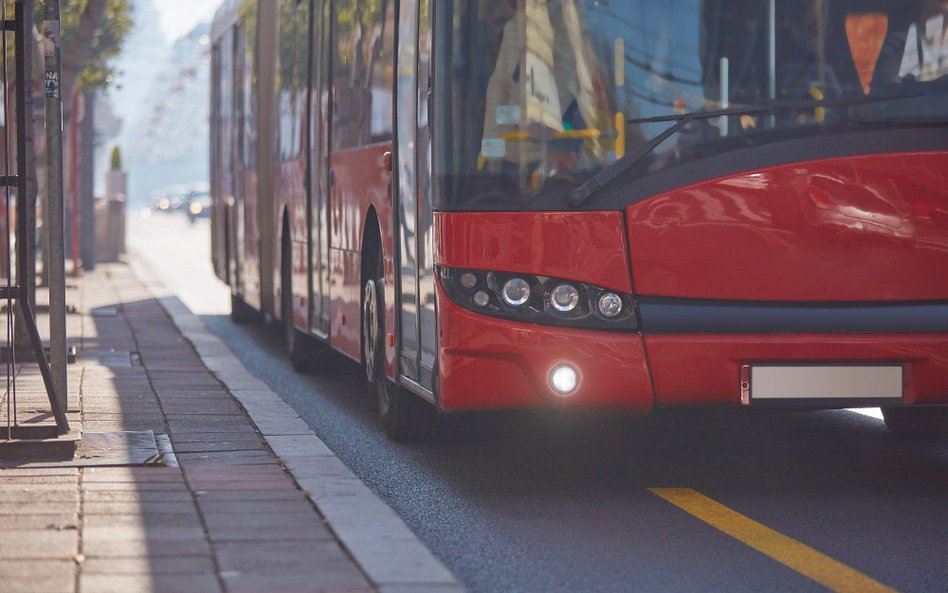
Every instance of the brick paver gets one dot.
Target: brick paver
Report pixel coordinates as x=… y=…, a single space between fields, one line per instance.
x=229 y=519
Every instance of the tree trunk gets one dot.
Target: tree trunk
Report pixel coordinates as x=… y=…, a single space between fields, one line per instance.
x=78 y=52
x=86 y=185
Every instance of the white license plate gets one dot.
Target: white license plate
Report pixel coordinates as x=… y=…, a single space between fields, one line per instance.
x=822 y=382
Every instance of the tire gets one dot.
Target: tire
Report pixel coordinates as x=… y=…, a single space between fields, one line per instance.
x=404 y=416
x=300 y=349
x=922 y=422
x=241 y=312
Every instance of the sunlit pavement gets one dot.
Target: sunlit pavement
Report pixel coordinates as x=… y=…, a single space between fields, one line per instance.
x=172 y=487
x=180 y=250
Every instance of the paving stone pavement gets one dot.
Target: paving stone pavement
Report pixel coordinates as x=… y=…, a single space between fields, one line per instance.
x=227 y=516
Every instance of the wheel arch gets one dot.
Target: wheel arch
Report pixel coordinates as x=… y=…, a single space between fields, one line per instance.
x=285 y=255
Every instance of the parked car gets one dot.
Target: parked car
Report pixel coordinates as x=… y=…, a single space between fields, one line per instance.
x=199 y=205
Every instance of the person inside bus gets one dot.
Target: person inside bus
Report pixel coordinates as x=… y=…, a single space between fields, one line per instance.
x=486 y=43
x=499 y=13
x=541 y=96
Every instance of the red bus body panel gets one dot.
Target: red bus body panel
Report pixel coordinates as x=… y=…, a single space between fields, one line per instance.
x=871 y=228
x=864 y=229
x=360 y=185
x=582 y=246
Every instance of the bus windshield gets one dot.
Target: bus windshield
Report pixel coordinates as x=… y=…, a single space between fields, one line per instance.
x=533 y=97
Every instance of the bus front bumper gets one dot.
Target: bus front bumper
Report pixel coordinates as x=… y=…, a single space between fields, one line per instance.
x=488 y=363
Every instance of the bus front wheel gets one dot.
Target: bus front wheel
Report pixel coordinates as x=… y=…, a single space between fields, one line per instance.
x=303 y=350
x=241 y=312
x=923 y=422
x=403 y=415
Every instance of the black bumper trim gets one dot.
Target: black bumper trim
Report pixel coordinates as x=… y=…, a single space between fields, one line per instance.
x=698 y=316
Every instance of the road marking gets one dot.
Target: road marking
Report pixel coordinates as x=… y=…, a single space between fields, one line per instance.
x=833 y=575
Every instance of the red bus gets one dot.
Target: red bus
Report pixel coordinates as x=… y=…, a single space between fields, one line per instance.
x=523 y=203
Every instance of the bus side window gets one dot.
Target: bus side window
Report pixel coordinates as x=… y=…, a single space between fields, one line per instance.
x=363 y=50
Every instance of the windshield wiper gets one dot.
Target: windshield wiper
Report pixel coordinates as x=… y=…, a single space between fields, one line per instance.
x=580 y=195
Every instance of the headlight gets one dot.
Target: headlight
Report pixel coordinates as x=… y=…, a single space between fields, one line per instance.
x=539 y=299
x=610 y=304
x=516 y=292
x=564 y=297
x=468 y=280
x=564 y=379
x=481 y=298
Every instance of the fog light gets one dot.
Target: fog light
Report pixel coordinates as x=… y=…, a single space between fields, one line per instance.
x=564 y=379
x=481 y=298
x=564 y=298
x=610 y=305
x=516 y=292
x=468 y=280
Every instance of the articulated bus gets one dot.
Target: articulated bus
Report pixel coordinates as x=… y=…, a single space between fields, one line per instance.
x=500 y=204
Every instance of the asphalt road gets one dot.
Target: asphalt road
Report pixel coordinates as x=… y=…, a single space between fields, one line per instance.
x=547 y=502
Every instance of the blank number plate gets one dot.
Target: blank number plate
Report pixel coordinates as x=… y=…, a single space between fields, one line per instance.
x=762 y=383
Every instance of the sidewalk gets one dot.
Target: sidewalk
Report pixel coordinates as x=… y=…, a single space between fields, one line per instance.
x=234 y=516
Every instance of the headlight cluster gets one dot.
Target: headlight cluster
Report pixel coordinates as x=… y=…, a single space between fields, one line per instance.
x=539 y=299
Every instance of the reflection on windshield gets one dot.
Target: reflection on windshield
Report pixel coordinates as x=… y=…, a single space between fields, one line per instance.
x=546 y=95
x=536 y=94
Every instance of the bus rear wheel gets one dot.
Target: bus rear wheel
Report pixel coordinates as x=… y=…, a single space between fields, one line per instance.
x=241 y=312
x=403 y=415
x=301 y=348
x=923 y=422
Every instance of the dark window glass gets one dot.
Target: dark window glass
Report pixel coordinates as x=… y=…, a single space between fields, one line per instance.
x=224 y=107
x=291 y=77
x=246 y=55
x=363 y=58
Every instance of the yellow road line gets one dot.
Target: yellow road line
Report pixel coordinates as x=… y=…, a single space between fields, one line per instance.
x=833 y=575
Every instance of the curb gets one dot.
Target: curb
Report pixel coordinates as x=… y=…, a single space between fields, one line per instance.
x=384 y=548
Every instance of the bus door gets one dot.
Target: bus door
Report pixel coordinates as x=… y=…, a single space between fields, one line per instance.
x=238 y=237
x=225 y=136
x=247 y=237
x=414 y=214
x=319 y=170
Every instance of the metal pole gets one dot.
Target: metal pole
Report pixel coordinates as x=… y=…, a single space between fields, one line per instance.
x=74 y=183
x=25 y=201
x=55 y=225
x=86 y=184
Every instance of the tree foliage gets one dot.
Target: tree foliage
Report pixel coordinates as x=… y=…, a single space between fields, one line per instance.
x=108 y=38
x=110 y=34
